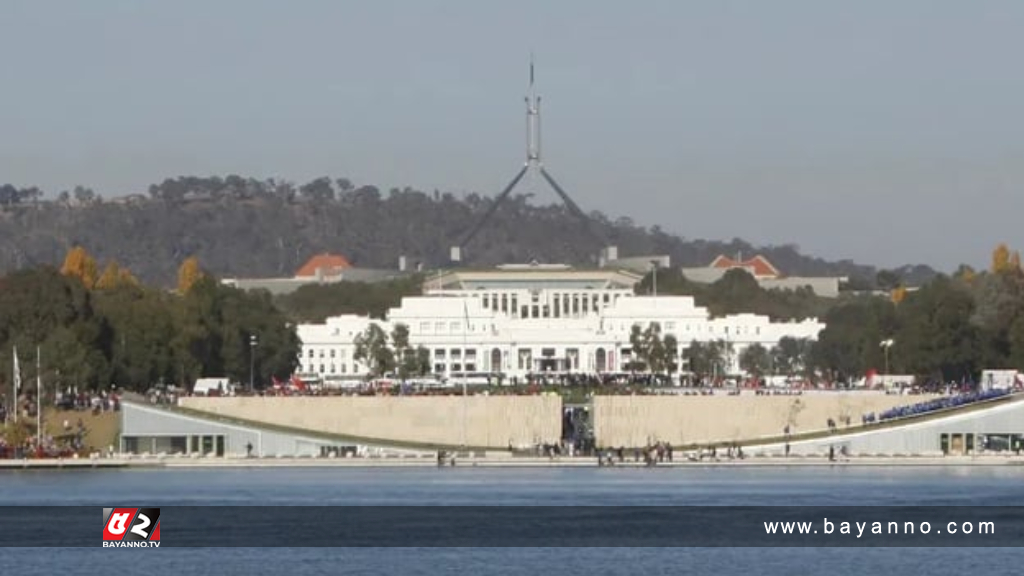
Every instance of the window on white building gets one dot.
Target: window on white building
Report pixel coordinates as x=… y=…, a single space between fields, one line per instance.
x=670 y=325
x=439 y=368
x=454 y=326
x=424 y=327
x=341 y=354
x=310 y=353
x=333 y=369
x=332 y=352
x=321 y=368
x=439 y=327
x=456 y=353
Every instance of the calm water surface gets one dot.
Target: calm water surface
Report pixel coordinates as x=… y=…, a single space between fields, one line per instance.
x=465 y=486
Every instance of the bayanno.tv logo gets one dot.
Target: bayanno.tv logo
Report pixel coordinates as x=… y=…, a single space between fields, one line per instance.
x=131 y=527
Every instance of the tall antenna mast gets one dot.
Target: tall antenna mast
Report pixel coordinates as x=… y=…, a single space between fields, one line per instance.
x=532 y=122
x=533 y=158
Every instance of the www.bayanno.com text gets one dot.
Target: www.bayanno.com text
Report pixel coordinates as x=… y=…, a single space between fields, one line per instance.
x=859 y=529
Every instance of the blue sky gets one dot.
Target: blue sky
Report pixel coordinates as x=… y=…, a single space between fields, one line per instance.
x=886 y=132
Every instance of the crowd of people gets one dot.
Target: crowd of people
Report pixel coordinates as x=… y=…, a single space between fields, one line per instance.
x=50 y=447
x=943 y=403
x=652 y=454
x=62 y=442
x=96 y=401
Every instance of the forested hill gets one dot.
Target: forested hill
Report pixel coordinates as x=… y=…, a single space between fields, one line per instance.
x=240 y=227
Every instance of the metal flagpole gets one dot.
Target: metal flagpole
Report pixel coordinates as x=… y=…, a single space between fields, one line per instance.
x=39 y=403
x=465 y=398
x=13 y=404
x=17 y=384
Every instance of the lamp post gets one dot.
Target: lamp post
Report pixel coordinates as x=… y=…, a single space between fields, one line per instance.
x=253 y=342
x=465 y=373
x=886 y=344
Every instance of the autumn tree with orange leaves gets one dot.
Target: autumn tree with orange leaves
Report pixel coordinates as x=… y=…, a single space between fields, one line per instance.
x=188 y=274
x=1004 y=260
x=114 y=276
x=80 y=264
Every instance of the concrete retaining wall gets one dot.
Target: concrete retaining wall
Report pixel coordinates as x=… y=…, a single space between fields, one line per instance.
x=916 y=438
x=637 y=420
x=491 y=421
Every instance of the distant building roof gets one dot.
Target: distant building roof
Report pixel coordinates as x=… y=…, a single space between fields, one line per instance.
x=640 y=264
x=532 y=277
x=324 y=265
x=278 y=286
x=759 y=266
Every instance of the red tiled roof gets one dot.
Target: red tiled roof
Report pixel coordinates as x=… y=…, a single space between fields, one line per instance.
x=329 y=263
x=758 y=264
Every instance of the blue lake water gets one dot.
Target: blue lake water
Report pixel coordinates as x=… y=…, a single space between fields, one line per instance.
x=512 y=487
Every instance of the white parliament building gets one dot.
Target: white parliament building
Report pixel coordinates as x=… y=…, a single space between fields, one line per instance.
x=517 y=320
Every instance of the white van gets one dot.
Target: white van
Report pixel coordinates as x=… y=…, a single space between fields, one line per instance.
x=213 y=387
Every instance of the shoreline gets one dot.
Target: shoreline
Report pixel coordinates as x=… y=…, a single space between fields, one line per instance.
x=511 y=462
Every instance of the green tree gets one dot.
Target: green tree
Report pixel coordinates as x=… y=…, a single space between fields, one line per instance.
x=965 y=273
x=78 y=362
x=252 y=332
x=670 y=346
x=651 y=351
x=671 y=281
x=791 y=355
x=134 y=336
x=423 y=366
x=40 y=307
x=372 y=349
x=707 y=359
x=141 y=322
x=638 y=346
x=887 y=280
x=1016 y=340
x=319 y=190
x=316 y=302
x=755 y=360
x=197 y=345
x=935 y=335
x=406 y=358
x=849 y=344
x=998 y=303
x=736 y=292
